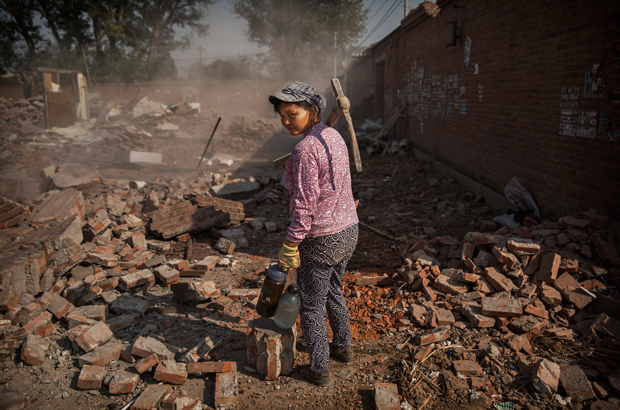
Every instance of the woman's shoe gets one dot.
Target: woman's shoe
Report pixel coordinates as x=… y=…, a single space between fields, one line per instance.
x=322 y=379
x=344 y=355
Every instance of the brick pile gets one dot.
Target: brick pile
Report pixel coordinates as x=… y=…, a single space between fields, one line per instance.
x=11 y=213
x=14 y=114
x=77 y=253
x=502 y=309
x=78 y=263
x=182 y=217
x=235 y=209
x=57 y=206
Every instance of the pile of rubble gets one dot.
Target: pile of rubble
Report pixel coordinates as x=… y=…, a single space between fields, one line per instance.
x=15 y=115
x=85 y=265
x=145 y=132
x=504 y=310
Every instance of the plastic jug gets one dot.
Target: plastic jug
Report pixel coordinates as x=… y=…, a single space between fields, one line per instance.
x=288 y=308
x=273 y=286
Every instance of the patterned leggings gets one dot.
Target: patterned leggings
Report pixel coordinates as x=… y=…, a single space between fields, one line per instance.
x=323 y=263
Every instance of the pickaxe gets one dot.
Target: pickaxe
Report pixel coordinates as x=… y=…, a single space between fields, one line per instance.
x=342 y=107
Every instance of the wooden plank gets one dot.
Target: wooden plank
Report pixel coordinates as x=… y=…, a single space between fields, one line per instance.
x=56 y=70
x=372 y=138
x=391 y=120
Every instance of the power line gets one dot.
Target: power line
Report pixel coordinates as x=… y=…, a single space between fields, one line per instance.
x=377 y=12
x=383 y=19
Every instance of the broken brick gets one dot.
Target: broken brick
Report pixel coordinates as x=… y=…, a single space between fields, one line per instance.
x=59 y=306
x=501 y=307
x=87 y=315
x=442 y=317
x=41 y=320
x=225 y=246
x=546 y=377
x=33 y=350
x=145 y=364
x=223 y=303
x=550 y=296
x=467 y=367
x=91 y=377
x=549 y=266
x=151 y=397
x=226 y=389
x=498 y=281
x=202 y=368
x=207 y=263
x=96 y=335
x=179 y=264
x=432 y=336
x=565 y=284
x=449 y=285
x=102 y=355
x=195 y=291
x=8 y=300
x=239 y=294
x=473 y=312
x=146 y=346
x=171 y=372
x=528 y=325
x=522 y=247
x=579 y=298
x=123 y=382
x=505 y=258
x=136 y=279
x=123 y=321
x=166 y=274
x=575 y=383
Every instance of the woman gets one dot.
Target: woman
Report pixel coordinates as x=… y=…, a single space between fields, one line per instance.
x=324 y=225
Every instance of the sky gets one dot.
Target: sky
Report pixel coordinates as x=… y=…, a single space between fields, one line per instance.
x=226 y=36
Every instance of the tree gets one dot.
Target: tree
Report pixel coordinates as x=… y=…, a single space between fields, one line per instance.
x=17 y=17
x=156 y=21
x=132 y=39
x=300 y=35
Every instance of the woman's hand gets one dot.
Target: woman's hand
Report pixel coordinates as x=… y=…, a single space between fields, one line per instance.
x=288 y=258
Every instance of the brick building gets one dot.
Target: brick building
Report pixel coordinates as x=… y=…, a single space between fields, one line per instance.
x=530 y=90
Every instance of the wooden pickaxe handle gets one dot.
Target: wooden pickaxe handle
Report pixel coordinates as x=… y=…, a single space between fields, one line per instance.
x=345 y=105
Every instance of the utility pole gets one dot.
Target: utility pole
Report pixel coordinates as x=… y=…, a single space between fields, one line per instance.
x=335 y=53
x=405 y=8
x=200 y=52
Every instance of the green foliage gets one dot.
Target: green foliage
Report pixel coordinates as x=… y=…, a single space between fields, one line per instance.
x=300 y=34
x=123 y=40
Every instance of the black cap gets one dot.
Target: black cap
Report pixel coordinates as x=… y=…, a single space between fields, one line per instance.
x=292 y=288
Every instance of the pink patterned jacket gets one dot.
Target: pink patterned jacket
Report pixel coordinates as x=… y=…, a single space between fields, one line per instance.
x=318 y=179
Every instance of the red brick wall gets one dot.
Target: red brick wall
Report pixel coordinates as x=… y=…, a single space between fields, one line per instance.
x=532 y=57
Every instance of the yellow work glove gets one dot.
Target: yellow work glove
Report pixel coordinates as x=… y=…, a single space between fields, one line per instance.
x=288 y=258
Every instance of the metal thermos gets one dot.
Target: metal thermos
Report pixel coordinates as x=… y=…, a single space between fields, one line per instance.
x=273 y=286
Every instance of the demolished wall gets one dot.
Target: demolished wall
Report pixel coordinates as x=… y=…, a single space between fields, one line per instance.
x=528 y=91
